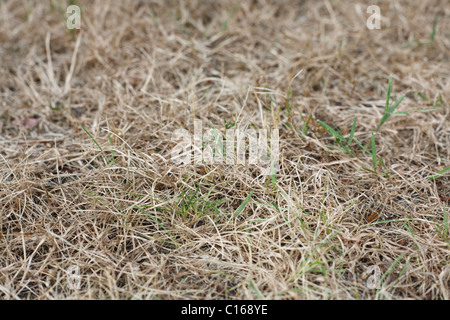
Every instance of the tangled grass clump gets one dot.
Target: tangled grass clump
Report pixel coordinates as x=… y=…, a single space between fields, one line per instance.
x=92 y=207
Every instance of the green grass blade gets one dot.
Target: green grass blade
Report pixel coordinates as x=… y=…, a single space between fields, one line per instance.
x=390 y=110
x=414 y=111
x=389 y=271
x=256 y=290
x=391 y=80
x=110 y=161
x=423 y=97
x=333 y=132
x=367 y=169
x=364 y=148
x=92 y=139
x=243 y=204
x=439 y=173
x=153 y=218
x=387 y=109
x=433 y=33
x=336 y=148
x=437 y=105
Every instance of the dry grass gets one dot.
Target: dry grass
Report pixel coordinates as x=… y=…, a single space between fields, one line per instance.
x=122 y=216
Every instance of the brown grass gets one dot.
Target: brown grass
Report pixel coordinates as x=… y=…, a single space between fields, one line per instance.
x=131 y=81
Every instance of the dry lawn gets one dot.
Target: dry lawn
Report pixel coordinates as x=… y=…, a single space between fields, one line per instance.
x=86 y=181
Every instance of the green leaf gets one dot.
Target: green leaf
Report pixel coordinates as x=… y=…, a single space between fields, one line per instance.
x=333 y=132
x=92 y=138
x=257 y=292
x=391 y=80
x=388 y=272
x=364 y=148
x=367 y=169
x=413 y=111
x=243 y=204
x=439 y=173
x=389 y=111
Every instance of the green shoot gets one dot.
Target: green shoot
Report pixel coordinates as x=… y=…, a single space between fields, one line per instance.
x=158 y=223
x=437 y=105
x=99 y=147
x=391 y=80
x=389 y=271
x=243 y=204
x=257 y=292
x=433 y=33
x=305 y=124
x=439 y=173
x=389 y=110
x=343 y=143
